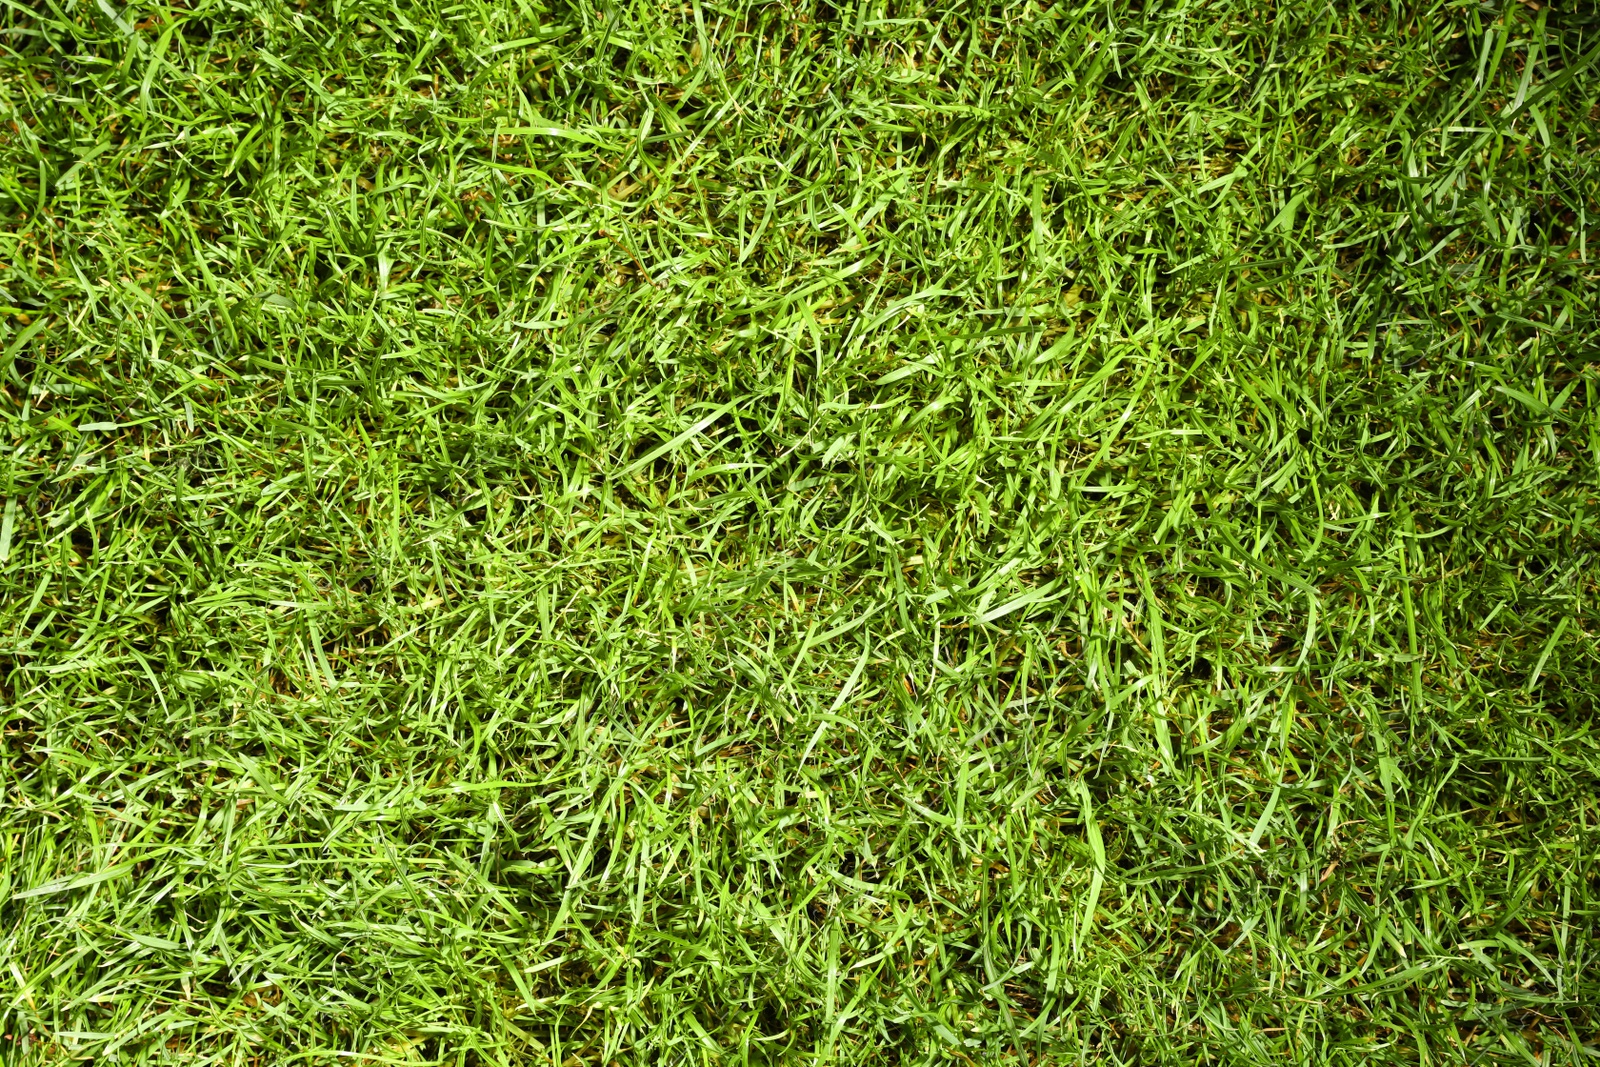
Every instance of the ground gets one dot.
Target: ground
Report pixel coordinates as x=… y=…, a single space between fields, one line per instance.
x=871 y=533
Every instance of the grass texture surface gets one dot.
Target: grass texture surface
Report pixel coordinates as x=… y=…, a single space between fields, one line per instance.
x=777 y=533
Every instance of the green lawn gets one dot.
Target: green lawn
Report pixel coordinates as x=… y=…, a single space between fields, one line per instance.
x=800 y=532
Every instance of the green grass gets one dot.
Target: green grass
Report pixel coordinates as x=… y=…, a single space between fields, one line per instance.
x=788 y=533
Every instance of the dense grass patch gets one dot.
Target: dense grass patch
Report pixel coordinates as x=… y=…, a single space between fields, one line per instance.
x=805 y=532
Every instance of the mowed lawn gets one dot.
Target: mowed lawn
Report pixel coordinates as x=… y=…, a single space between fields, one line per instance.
x=799 y=533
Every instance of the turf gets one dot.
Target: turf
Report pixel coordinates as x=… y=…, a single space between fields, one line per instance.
x=791 y=533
